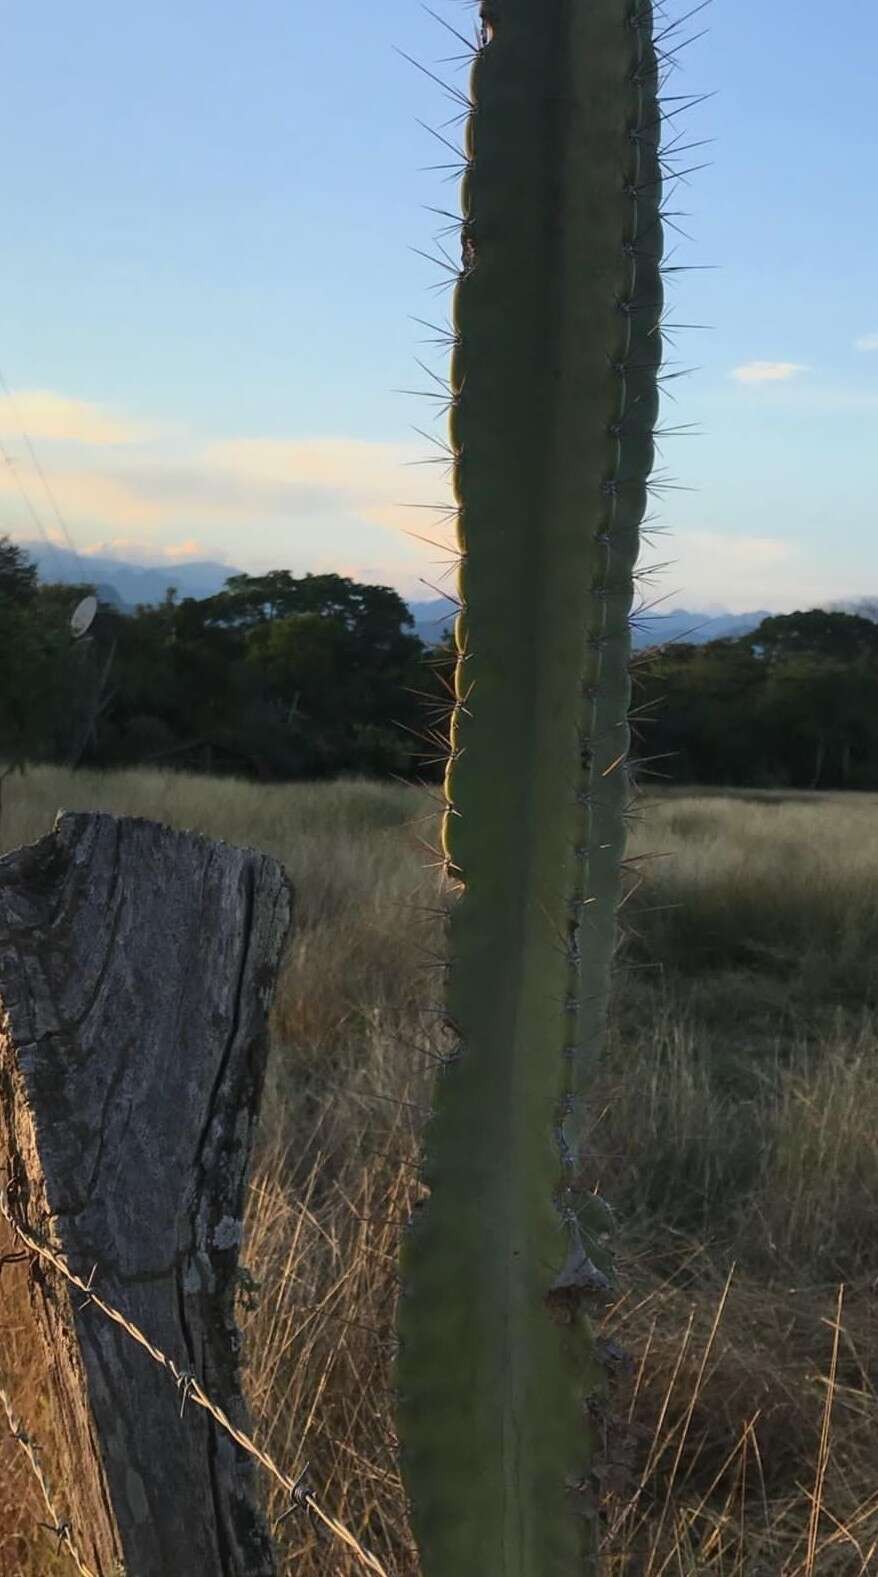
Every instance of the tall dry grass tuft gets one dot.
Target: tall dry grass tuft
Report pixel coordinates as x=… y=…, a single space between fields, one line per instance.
x=734 y=1127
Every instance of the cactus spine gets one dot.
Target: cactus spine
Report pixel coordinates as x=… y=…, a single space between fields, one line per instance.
x=554 y=401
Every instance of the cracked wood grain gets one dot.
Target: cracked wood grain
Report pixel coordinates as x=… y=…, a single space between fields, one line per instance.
x=137 y=966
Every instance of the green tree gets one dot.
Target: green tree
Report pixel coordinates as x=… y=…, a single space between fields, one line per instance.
x=273 y=676
x=839 y=637
x=34 y=669
x=822 y=712
x=18 y=575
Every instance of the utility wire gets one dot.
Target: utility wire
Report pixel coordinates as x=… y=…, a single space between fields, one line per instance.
x=38 y=467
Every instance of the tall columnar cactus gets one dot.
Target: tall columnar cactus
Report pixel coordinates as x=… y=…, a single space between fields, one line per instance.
x=554 y=402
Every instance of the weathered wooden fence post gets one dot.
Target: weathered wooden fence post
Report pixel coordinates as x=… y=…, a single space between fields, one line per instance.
x=136 y=969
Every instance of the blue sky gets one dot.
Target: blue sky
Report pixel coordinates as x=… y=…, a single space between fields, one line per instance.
x=208 y=281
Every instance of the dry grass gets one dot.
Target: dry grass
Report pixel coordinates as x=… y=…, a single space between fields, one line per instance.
x=735 y=1128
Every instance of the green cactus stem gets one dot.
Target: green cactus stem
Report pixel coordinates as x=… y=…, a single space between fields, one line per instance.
x=554 y=403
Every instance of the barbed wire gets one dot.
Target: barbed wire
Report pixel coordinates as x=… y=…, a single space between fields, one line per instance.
x=190 y=1389
x=59 y=1528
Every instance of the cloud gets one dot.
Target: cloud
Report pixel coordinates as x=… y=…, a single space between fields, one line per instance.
x=87 y=497
x=724 y=551
x=767 y=371
x=180 y=552
x=713 y=569
x=866 y=342
x=236 y=482
x=330 y=462
x=378 y=482
x=708 y=566
x=356 y=472
x=168 y=497
x=134 y=550
x=41 y=413
x=730 y=569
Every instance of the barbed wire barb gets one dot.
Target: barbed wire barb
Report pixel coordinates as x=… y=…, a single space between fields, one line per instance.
x=191 y=1391
x=60 y=1529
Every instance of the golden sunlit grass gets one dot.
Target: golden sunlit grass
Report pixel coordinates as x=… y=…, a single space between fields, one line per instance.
x=734 y=1128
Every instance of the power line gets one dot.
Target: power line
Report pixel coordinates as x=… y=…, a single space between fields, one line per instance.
x=25 y=495
x=47 y=487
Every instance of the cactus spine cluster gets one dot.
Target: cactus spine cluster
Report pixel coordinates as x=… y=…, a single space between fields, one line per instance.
x=554 y=401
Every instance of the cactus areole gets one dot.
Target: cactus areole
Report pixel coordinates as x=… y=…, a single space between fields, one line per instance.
x=554 y=401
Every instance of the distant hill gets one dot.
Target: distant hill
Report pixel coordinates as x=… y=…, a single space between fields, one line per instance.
x=684 y=624
x=431 y=618
x=126 y=584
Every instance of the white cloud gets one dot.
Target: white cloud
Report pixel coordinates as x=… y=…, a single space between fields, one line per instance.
x=368 y=478
x=725 y=551
x=768 y=371
x=260 y=502
x=135 y=550
x=866 y=342
x=237 y=481
x=716 y=570
x=180 y=552
x=42 y=413
x=729 y=569
x=87 y=498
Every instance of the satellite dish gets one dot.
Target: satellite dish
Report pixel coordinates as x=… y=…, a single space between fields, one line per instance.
x=82 y=617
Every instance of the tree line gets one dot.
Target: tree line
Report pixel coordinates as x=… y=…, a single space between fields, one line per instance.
x=277 y=677
x=273 y=678
x=792 y=704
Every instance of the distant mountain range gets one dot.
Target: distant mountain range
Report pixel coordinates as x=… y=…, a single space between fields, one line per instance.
x=650 y=629
x=125 y=585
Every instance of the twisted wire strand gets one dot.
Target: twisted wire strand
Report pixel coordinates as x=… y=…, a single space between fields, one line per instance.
x=29 y=1446
x=191 y=1390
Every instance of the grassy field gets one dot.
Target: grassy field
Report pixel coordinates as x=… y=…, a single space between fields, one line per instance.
x=735 y=1126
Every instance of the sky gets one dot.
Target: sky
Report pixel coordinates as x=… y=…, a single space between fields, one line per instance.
x=212 y=216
